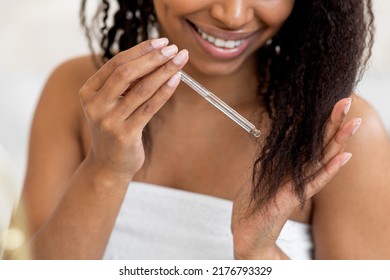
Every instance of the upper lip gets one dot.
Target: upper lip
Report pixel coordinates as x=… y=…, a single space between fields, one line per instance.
x=224 y=34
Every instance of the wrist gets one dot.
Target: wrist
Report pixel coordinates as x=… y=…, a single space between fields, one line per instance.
x=273 y=253
x=104 y=176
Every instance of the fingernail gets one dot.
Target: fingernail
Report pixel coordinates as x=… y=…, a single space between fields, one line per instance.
x=356 y=125
x=346 y=157
x=174 y=80
x=347 y=106
x=181 y=57
x=169 y=51
x=159 y=43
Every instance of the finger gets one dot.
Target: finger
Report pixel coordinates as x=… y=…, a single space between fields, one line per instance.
x=129 y=55
x=339 y=141
x=132 y=71
x=327 y=173
x=148 y=86
x=146 y=111
x=336 y=118
x=96 y=81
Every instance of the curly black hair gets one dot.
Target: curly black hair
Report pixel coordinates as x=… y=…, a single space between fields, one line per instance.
x=322 y=51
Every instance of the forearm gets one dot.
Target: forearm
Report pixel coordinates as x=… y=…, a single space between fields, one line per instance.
x=82 y=223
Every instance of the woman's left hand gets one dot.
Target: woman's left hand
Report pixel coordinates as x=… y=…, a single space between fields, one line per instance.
x=255 y=234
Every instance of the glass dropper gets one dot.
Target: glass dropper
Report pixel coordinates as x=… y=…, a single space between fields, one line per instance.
x=226 y=109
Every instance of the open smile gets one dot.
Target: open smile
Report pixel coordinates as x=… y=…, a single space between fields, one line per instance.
x=219 y=42
x=222 y=43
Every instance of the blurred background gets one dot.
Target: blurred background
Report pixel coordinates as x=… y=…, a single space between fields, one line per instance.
x=38 y=35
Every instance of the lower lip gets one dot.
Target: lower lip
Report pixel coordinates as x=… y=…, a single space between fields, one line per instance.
x=217 y=52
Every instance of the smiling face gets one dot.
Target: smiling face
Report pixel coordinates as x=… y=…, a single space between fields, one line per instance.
x=221 y=35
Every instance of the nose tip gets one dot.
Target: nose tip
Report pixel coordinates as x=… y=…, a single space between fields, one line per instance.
x=232 y=13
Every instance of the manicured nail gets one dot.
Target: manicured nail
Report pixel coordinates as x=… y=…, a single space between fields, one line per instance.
x=174 y=80
x=169 y=51
x=356 y=125
x=346 y=157
x=347 y=106
x=181 y=57
x=159 y=43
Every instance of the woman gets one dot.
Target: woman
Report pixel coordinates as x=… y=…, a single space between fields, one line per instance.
x=143 y=167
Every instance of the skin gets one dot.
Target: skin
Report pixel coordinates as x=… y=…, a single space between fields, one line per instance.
x=86 y=145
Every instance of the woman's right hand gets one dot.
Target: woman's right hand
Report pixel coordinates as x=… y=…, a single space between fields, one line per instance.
x=121 y=98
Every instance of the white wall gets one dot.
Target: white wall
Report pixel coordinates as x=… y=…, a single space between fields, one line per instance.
x=375 y=86
x=37 y=35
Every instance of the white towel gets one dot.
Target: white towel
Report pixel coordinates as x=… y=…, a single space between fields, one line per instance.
x=157 y=222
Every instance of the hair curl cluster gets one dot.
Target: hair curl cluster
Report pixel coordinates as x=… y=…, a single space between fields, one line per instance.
x=324 y=47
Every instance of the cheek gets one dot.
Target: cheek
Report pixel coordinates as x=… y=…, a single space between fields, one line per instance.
x=169 y=12
x=171 y=15
x=274 y=13
x=176 y=8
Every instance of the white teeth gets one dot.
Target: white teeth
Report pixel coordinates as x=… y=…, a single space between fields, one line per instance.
x=220 y=43
x=211 y=39
x=230 y=44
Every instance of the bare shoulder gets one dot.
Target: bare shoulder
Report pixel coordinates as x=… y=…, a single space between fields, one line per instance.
x=372 y=128
x=55 y=148
x=370 y=148
x=60 y=95
x=350 y=213
x=370 y=145
x=58 y=112
x=73 y=73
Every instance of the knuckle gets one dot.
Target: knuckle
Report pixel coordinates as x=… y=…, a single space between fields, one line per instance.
x=157 y=57
x=120 y=138
x=168 y=69
x=144 y=90
x=155 y=103
x=117 y=137
x=86 y=92
x=133 y=131
x=140 y=89
x=316 y=185
x=106 y=126
x=338 y=140
x=91 y=110
x=341 y=138
x=165 y=93
x=326 y=175
x=147 y=108
x=172 y=67
x=112 y=64
x=116 y=61
x=83 y=92
x=122 y=72
x=146 y=46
